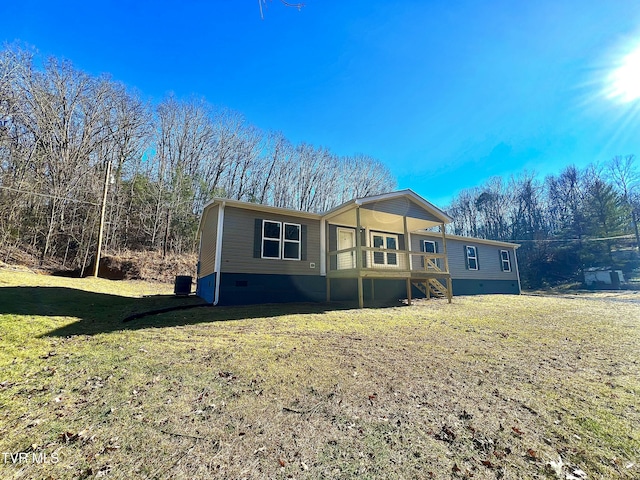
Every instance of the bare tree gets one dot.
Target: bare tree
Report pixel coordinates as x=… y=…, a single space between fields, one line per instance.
x=624 y=173
x=60 y=127
x=373 y=177
x=185 y=134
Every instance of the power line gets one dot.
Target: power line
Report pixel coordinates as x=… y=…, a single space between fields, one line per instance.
x=50 y=196
x=628 y=237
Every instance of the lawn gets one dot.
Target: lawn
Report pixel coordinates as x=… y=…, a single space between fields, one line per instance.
x=511 y=387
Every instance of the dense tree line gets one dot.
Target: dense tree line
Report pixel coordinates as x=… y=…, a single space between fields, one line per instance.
x=565 y=223
x=59 y=128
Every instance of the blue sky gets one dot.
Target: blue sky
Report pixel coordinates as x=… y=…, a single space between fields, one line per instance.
x=447 y=94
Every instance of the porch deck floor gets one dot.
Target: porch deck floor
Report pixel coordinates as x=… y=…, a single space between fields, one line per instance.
x=380 y=273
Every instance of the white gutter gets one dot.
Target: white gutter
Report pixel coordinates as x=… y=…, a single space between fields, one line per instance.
x=218 y=261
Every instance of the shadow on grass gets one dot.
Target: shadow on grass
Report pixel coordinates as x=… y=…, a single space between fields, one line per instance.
x=103 y=313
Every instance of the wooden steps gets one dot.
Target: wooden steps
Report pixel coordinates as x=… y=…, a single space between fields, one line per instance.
x=432 y=288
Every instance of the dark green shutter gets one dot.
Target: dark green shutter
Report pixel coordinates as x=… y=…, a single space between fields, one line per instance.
x=477 y=258
x=303 y=242
x=501 y=262
x=257 y=238
x=466 y=257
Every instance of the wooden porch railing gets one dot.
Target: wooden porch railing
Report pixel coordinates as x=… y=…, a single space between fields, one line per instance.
x=385 y=260
x=422 y=269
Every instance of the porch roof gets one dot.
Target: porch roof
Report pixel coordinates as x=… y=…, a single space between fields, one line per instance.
x=388 y=210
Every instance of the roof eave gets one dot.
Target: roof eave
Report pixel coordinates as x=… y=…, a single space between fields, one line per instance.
x=261 y=208
x=449 y=236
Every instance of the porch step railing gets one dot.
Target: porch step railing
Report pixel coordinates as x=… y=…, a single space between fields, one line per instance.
x=437 y=289
x=432 y=288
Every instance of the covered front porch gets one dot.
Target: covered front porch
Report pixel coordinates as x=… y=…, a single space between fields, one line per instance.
x=371 y=239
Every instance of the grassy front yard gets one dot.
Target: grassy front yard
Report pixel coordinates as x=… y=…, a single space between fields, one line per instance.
x=510 y=387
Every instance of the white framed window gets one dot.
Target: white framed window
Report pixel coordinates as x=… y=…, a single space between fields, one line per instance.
x=386 y=241
x=430 y=246
x=271 y=235
x=291 y=241
x=472 y=257
x=505 y=260
x=281 y=240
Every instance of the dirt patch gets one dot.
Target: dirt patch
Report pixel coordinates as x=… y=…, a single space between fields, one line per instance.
x=148 y=266
x=124 y=265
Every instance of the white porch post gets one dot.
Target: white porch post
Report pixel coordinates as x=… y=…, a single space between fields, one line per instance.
x=446 y=263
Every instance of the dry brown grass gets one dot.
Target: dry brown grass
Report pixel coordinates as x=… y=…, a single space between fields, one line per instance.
x=487 y=387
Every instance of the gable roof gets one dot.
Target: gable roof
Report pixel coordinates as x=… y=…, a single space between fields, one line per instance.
x=407 y=194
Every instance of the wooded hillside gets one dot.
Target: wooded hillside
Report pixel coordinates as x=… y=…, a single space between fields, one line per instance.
x=565 y=223
x=60 y=128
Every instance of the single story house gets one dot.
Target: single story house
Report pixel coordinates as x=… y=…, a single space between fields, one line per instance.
x=381 y=247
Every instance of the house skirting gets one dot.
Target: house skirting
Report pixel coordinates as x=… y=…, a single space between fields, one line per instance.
x=247 y=288
x=206 y=288
x=382 y=290
x=479 y=287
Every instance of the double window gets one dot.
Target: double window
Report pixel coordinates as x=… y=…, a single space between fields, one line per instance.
x=472 y=257
x=280 y=240
x=384 y=241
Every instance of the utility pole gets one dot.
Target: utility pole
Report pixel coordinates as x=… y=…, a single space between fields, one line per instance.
x=107 y=177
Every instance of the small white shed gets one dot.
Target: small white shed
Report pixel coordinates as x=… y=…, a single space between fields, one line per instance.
x=603 y=276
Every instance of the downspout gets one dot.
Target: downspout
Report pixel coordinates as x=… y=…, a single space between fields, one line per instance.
x=218 y=262
x=515 y=257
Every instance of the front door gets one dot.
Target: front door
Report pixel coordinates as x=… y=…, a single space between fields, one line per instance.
x=346 y=239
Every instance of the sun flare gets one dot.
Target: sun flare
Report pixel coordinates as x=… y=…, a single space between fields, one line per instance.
x=624 y=81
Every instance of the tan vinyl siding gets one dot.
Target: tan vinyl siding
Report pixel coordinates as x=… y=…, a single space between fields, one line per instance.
x=401 y=206
x=208 y=237
x=238 y=238
x=488 y=258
